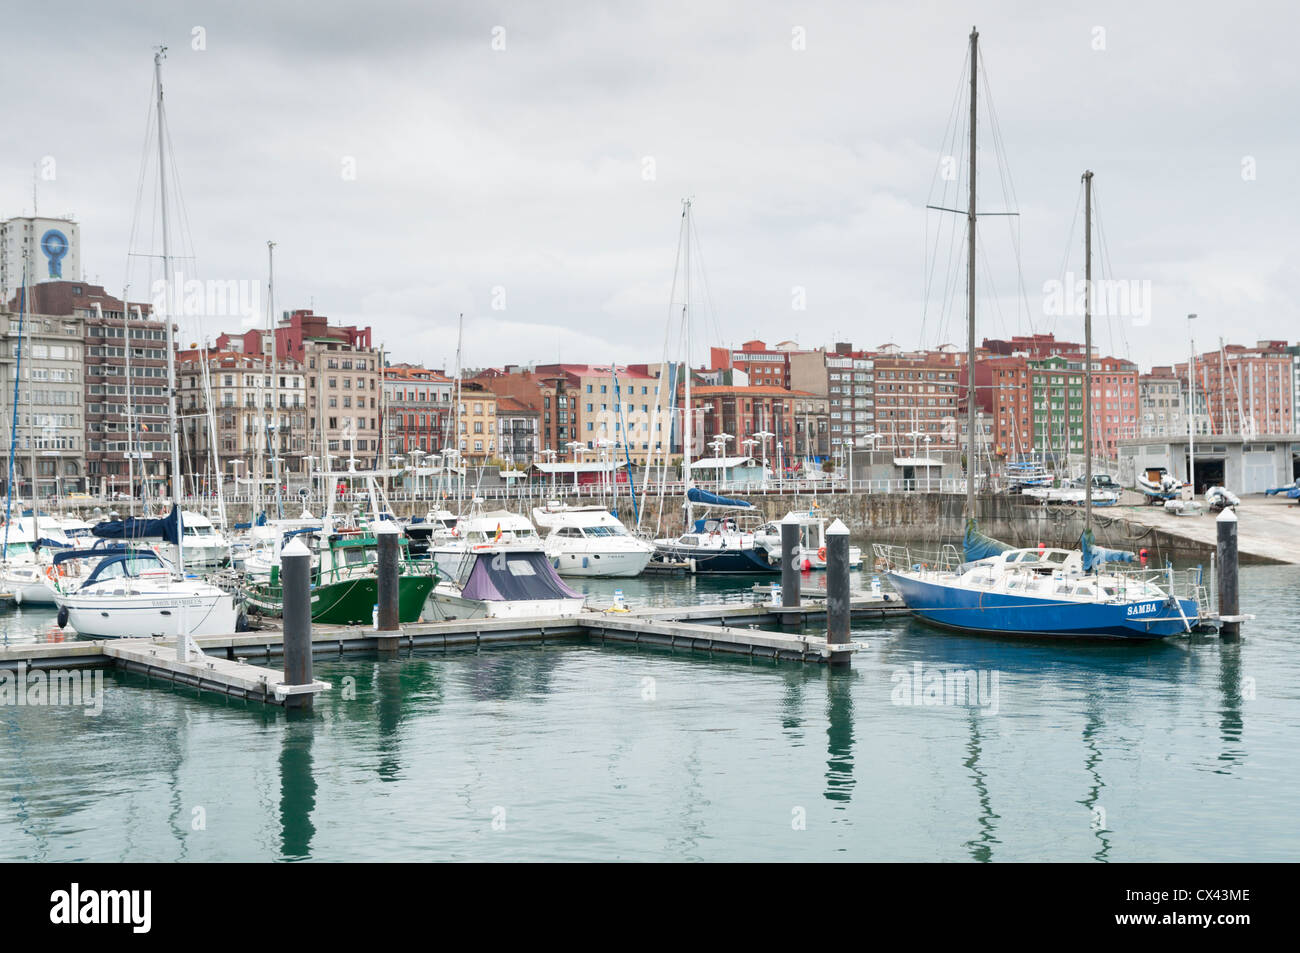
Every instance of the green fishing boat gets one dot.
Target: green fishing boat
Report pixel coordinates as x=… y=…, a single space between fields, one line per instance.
x=345 y=584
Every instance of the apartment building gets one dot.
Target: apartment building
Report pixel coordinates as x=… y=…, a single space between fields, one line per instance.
x=51 y=442
x=260 y=417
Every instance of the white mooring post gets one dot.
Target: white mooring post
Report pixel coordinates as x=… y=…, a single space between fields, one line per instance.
x=837 y=591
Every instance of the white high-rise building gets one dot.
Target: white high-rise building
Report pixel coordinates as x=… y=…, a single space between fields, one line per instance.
x=50 y=248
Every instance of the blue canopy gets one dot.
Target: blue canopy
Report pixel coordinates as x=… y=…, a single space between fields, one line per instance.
x=168 y=527
x=94 y=553
x=978 y=546
x=1094 y=555
x=51 y=543
x=696 y=495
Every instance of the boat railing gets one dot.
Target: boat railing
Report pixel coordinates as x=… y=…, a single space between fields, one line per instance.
x=896 y=558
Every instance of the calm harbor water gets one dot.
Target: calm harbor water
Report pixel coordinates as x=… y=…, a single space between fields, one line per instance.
x=1182 y=751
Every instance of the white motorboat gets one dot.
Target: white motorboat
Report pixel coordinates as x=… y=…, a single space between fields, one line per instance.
x=812 y=541
x=481 y=527
x=136 y=593
x=590 y=541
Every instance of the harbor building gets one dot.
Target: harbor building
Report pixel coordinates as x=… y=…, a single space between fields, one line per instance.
x=1242 y=464
x=744 y=414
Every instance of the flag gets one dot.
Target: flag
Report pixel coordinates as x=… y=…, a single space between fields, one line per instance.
x=497 y=538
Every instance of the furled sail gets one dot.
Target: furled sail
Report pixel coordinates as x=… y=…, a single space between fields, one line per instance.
x=168 y=527
x=696 y=495
x=1094 y=555
x=978 y=546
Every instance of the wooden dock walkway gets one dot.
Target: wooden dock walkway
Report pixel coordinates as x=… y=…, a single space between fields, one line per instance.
x=226 y=665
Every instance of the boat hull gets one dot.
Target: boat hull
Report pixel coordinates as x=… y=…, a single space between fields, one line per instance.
x=349 y=601
x=609 y=564
x=150 y=614
x=444 y=604
x=720 y=561
x=995 y=613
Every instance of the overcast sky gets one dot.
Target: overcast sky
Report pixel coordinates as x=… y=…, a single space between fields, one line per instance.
x=808 y=133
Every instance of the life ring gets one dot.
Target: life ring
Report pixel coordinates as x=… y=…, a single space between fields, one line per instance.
x=51 y=574
x=821 y=554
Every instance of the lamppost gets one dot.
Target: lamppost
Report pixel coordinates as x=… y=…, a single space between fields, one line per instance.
x=574 y=447
x=763 y=436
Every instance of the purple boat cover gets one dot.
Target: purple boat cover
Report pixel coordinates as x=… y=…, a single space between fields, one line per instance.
x=503 y=576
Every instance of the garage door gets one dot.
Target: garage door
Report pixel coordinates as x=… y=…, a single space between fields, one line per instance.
x=1256 y=471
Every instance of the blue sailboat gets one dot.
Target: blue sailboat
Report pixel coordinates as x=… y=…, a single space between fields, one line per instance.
x=993 y=588
x=1001 y=590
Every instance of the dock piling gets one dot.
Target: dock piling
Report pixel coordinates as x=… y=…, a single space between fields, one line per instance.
x=838 y=598
x=386 y=536
x=1226 y=558
x=791 y=554
x=295 y=583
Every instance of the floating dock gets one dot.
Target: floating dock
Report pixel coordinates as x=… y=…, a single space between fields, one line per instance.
x=226 y=665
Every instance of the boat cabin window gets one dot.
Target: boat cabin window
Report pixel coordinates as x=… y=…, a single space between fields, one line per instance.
x=520 y=567
x=354 y=556
x=199 y=531
x=569 y=531
x=689 y=540
x=606 y=531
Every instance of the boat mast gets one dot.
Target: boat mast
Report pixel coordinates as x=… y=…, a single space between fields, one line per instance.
x=1087 y=352
x=970 y=287
x=13 y=429
x=688 y=430
x=1191 y=406
x=171 y=344
x=460 y=483
x=275 y=380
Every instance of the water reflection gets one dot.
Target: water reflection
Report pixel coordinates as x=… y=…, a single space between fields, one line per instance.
x=297 y=786
x=980 y=847
x=1231 y=722
x=1091 y=727
x=839 y=735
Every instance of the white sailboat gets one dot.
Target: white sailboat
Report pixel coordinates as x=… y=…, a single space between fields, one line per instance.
x=722 y=540
x=137 y=592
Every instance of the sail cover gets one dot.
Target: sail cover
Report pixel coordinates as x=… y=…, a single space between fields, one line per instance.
x=1094 y=555
x=978 y=546
x=696 y=495
x=168 y=527
x=503 y=576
